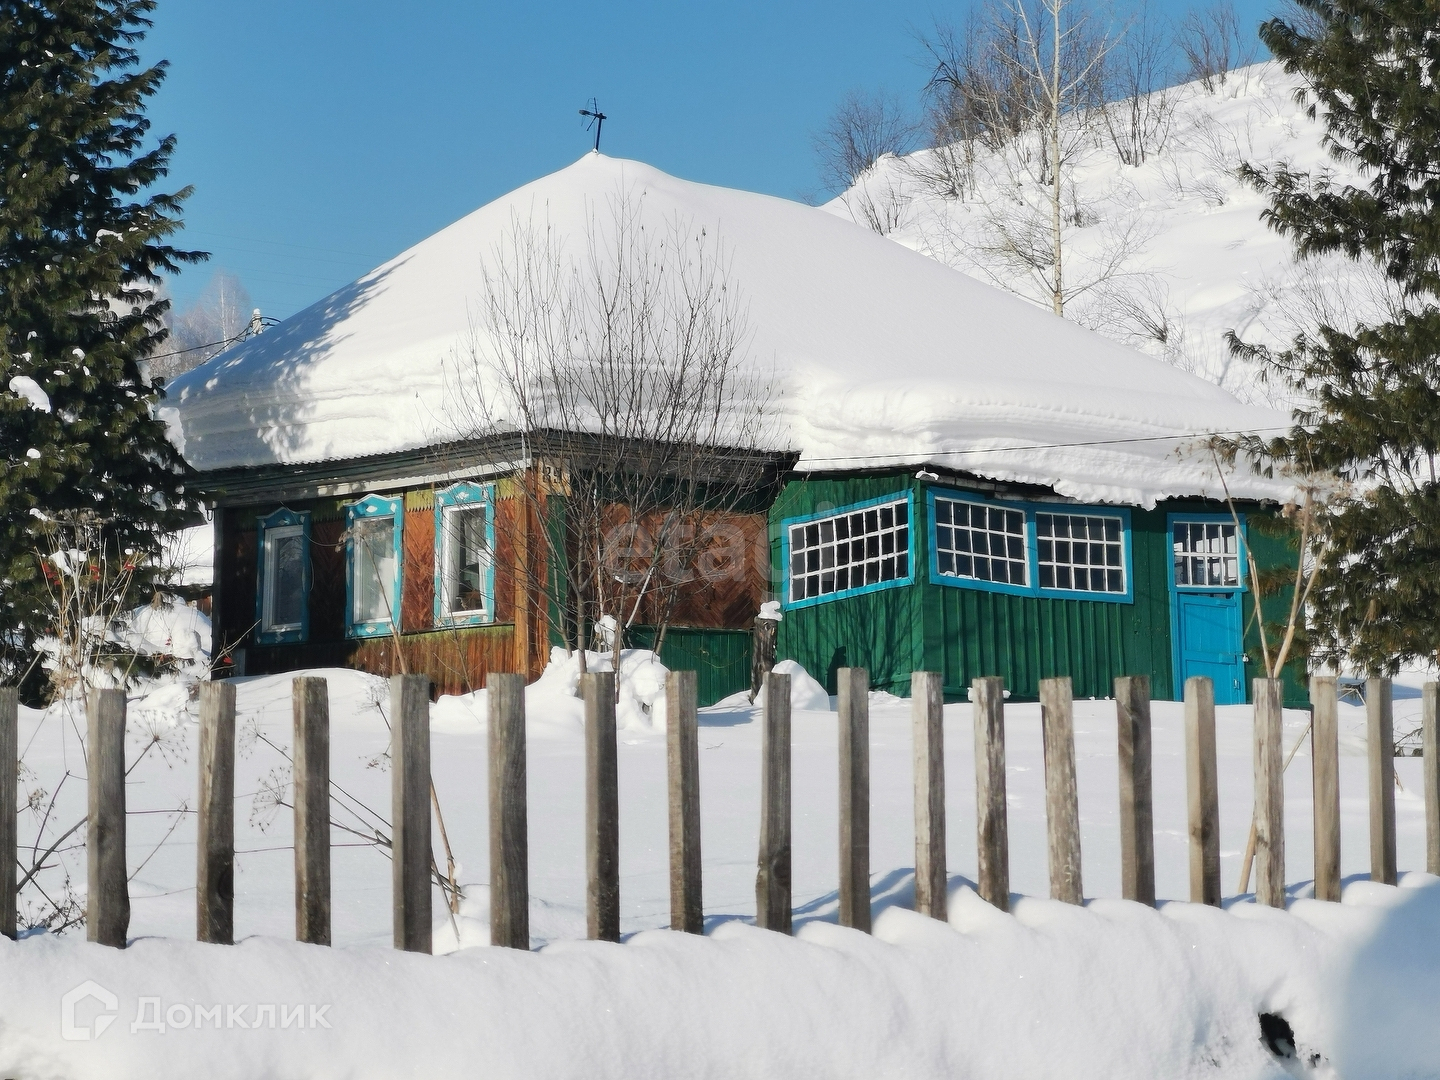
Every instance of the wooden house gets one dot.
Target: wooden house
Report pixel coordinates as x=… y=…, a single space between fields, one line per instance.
x=957 y=480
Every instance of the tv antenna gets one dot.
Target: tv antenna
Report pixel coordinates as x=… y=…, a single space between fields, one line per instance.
x=597 y=120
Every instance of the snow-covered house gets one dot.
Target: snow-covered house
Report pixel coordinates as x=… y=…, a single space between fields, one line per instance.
x=959 y=480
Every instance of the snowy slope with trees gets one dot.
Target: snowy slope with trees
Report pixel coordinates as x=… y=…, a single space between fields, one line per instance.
x=1164 y=245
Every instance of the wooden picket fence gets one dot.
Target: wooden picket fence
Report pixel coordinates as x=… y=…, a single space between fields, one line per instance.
x=108 y=912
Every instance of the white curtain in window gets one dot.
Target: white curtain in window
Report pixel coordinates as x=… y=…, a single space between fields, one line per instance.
x=374 y=585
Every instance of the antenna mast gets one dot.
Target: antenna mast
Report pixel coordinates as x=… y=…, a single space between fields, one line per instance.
x=597 y=120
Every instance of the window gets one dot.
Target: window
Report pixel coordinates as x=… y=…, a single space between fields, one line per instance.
x=1080 y=552
x=860 y=547
x=464 y=540
x=1033 y=549
x=373 y=588
x=283 y=578
x=1207 y=554
x=982 y=543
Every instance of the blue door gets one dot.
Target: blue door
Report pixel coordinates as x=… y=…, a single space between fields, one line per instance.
x=1210 y=642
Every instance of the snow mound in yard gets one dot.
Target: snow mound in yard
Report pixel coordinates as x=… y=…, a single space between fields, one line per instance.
x=553 y=700
x=884 y=357
x=1111 y=991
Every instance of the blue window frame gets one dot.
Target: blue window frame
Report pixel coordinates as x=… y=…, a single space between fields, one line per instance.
x=1030 y=549
x=863 y=547
x=464 y=555
x=373 y=565
x=282 y=578
x=1207 y=552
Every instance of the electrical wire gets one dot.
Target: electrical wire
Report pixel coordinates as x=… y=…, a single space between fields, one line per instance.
x=926 y=455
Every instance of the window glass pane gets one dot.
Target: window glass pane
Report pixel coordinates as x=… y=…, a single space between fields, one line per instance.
x=464 y=560
x=1079 y=564
x=835 y=554
x=1205 y=554
x=284 y=578
x=374 y=563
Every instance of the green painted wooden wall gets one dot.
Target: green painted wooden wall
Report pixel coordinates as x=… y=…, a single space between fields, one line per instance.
x=720 y=658
x=967 y=633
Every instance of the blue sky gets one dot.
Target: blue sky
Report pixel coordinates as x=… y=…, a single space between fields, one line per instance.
x=323 y=137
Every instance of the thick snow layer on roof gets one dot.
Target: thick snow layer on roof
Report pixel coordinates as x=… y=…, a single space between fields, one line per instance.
x=884 y=356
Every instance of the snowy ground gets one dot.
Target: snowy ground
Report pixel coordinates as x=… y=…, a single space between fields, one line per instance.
x=1130 y=992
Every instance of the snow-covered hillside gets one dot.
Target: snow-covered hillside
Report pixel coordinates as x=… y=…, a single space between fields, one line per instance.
x=1167 y=254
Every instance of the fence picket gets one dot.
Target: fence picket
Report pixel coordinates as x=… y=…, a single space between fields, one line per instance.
x=1380 y=749
x=772 y=880
x=1062 y=803
x=1137 y=814
x=310 y=761
x=992 y=831
x=854 y=723
x=1269 y=794
x=602 y=809
x=1325 y=761
x=1430 y=765
x=215 y=839
x=107 y=905
x=9 y=824
x=1202 y=790
x=682 y=758
x=410 y=811
x=509 y=841
x=927 y=702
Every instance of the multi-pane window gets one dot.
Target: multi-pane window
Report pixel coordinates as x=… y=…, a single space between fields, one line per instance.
x=283 y=578
x=374 y=528
x=462 y=554
x=1207 y=554
x=1080 y=552
x=851 y=550
x=983 y=543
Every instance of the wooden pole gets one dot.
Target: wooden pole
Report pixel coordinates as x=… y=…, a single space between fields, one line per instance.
x=854 y=717
x=682 y=759
x=766 y=645
x=310 y=704
x=987 y=696
x=1325 y=748
x=410 y=851
x=215 y=836
x=1269 y=828
x=772 y=881
x=927 y=701
x=1137 y=814
x=1380 y=748
x=509 y=825
x=1430 y=747
x=1202 y=790
x=9 y=782
x=1062 y=802
x=602 y=809
x=107 y=905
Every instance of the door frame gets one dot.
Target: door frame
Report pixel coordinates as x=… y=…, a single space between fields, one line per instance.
x=1174 y=591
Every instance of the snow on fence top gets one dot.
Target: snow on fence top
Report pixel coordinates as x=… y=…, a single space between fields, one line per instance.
x=884 y=357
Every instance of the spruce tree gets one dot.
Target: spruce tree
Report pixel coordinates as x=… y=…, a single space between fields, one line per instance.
x=1371 y=393
x=82 y=248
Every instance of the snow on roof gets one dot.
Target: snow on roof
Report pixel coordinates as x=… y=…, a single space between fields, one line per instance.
x=885 y=357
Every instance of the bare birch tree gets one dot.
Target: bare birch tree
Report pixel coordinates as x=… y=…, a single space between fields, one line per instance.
x=625 y=369
x=1027 y=77
x=1214 y=44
